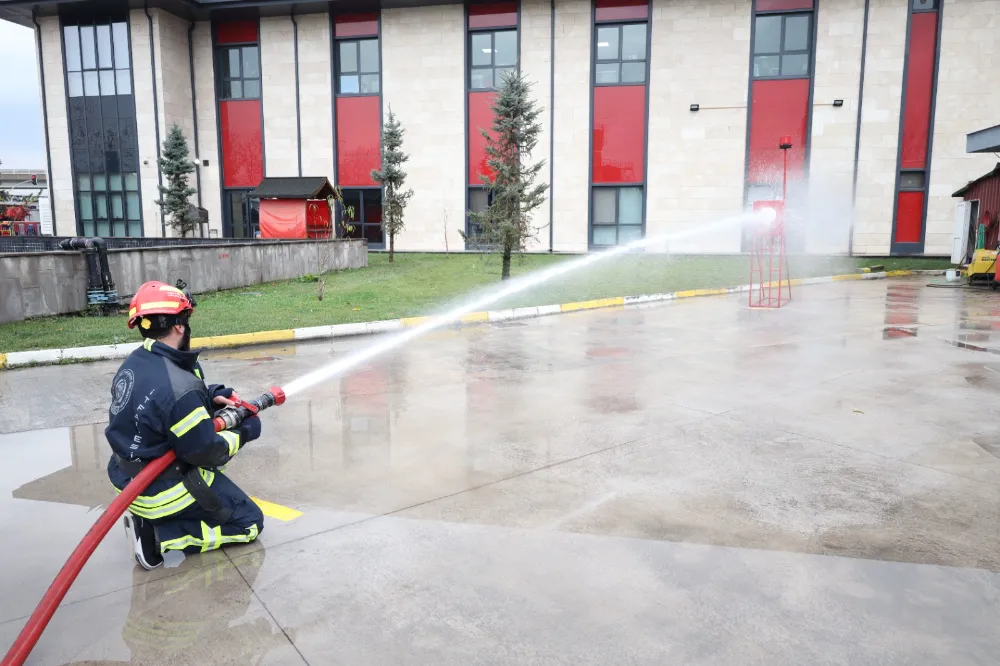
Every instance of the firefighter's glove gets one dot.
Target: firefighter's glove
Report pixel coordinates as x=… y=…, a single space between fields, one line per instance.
x=250 y=429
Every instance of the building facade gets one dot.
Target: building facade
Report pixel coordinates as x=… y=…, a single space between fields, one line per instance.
x=660 y=116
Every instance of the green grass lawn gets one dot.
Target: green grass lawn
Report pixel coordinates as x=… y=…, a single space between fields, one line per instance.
x=417 y=284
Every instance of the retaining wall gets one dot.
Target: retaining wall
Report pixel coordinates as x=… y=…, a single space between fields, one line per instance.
x=37 y=284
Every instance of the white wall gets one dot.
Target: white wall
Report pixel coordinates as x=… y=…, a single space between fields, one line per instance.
x=423 y=80
x=208 y=132
x=831 y=157
x=277 y=62
x=572 y=125
x=699 y=55
x=146 y=121
x=63 y=187
x=536 y=61
x=880 y=126
x=316 y=96
x=968 y=99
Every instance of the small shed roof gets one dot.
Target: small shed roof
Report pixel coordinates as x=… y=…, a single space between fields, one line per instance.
x=961 y=192
x=317 y=187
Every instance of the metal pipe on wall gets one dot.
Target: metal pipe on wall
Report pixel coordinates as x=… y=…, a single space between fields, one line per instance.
x=298 y=109
x=156 y=115
x=194 y=113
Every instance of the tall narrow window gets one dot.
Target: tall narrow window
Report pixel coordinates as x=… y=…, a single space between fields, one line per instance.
x=103 y=137
x=357 y=67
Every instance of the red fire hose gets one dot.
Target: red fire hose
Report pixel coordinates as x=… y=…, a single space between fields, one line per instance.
x=32 y=631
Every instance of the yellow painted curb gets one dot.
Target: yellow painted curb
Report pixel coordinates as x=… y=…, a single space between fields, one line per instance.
x=475 y=318
x=3 y=360
x=694 y=293
x=898 y=273
x=240 y=339
x=412 y=322
x=849 y=276
x=276 y=511
x=592 y=305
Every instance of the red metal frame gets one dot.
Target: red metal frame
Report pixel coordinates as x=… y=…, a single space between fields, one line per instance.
x=768 y=252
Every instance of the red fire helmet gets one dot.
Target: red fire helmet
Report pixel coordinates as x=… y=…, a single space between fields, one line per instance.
x=157 y=298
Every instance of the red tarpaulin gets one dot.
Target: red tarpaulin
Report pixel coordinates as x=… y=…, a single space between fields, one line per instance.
x=282 y=218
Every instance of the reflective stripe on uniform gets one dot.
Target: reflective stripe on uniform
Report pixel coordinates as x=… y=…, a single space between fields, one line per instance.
x=190 y=421
x=197 y=373
x=147 y=344
x=170 y=501
x=251 y=534
x=233 y=440
x=210 y=539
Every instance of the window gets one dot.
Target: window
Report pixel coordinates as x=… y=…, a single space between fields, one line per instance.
x=109 y=204
x=241 y=218
x=367 y=218
x=357 y=67
x=97 y=60
x=620 y=54
x=617 y=216
x=911 y=180
x=924 y=5
x=239 y=72
x=492 y=54
x=102 y=132
x=781 y=46
x=479 y=200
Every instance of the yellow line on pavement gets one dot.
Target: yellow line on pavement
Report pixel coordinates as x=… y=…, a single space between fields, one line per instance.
x=276 y=511
x=592 y=305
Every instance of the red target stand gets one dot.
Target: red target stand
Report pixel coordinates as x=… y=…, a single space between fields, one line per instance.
x=770 y=279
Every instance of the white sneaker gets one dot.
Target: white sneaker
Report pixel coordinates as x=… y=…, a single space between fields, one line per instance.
x=142 y=540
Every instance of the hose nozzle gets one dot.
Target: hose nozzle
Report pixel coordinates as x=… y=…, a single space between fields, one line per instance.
x=231 y=417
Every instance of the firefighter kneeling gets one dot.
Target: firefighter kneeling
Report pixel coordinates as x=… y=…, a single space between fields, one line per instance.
x=161 y=402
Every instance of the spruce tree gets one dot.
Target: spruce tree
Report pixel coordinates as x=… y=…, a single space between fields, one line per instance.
x=176 y=165
x=392 y=178
x=510 y=183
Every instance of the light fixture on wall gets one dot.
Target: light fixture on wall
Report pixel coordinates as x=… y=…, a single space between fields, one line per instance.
x=695 y=107
x=838 y=102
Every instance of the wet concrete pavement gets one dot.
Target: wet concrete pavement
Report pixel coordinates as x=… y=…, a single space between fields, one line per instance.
x=690 y=483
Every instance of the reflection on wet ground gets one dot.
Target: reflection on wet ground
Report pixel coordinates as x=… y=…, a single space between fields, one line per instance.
x=673 y=483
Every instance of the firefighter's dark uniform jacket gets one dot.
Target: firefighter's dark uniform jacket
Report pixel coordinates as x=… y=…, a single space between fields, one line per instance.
x=160 y=402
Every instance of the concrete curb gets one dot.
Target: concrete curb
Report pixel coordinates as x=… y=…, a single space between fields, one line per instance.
x=105 y=352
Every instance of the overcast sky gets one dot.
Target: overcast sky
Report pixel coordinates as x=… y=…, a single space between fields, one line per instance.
x=21 y=143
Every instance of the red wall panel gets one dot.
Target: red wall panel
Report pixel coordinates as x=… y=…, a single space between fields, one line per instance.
x=242 y=144
x=359 y=140
x=480 y=115
x=355 y=25
x=909 y=217
x=783 y=5
x=493 y=15
x=919 y=84
x=780 y=107
x=236 y=32
x=621 y=10
x=619 y=134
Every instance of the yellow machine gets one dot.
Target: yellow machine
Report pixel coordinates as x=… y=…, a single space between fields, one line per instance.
x=982 y=267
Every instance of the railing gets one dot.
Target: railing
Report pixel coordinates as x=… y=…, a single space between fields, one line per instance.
x=51 y=243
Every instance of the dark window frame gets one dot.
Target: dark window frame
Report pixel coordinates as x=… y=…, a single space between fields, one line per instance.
x=618 y=60
x=339 y=73
x=617 y=188
x=222 y=58
x=493 y=67
x=247 y=223
x=919 y=10
x=781 y=53
x=358 y=220
x=130 y=223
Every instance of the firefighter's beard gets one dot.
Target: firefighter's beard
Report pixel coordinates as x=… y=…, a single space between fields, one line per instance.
x=186 y=340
